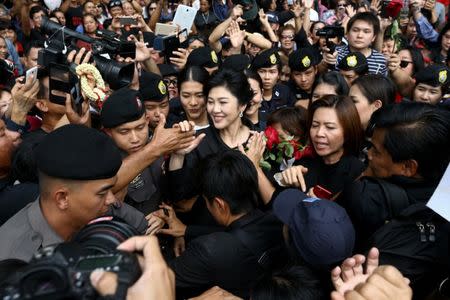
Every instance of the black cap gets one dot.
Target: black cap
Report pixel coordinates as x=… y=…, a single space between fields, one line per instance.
x=250 y=8
x=167 y=70
x=79 y=153
x=121 y=107
x=203 y=57
x=321 y=230
x=237 y=62
x=302 y=59
x=266 y=59
x=354 y=61
x=434 y=75
x=152 y=87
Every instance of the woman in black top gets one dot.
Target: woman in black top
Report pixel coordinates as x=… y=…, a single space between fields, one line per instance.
x=336 y=135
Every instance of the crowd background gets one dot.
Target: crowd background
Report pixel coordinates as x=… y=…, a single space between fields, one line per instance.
x=282 y=150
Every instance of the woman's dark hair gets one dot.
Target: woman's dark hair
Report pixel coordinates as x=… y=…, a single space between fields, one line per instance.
x=219 y=172
x=416 y=57
x=292 y=119
x=193 y=73
x=417 y=131
x=348 y=118
x=376 y=87
x=314 y=24
x=253 y=75
x=297 y=282
x=442 y=33
x=334 y=79
x=235 y=82
x=35 y=10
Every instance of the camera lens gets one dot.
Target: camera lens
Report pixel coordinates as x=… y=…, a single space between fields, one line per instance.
x=103 y=237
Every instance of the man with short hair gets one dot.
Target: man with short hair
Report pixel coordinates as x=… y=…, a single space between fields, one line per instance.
x=409 y=153
x=362 y=30
x=30 y=58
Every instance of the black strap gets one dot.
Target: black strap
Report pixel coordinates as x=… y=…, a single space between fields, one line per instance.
x=396 y=197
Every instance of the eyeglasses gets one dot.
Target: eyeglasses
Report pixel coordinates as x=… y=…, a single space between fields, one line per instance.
x=287 y=37
x=404 y=63
x=170 y=81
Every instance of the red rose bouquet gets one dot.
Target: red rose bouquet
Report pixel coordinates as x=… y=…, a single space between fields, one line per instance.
x=282 y=151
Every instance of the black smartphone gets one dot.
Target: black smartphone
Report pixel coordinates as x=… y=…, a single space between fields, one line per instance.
x=128 y=21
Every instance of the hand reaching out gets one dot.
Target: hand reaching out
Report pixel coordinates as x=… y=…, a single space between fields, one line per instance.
x=351 y=272
x=176 y=227
x=255 y=148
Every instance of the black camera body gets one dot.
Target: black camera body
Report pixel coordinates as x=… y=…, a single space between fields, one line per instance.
x=62 y=271
x=62 y=40
x=329 y=32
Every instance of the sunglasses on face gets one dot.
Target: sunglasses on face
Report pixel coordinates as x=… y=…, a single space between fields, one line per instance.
x=404 y=63
x=170 y=81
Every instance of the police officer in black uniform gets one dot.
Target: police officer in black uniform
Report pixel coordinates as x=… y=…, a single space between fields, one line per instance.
x=275 y=95
x=303 y=63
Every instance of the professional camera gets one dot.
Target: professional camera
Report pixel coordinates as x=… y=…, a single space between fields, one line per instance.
x=104 y=50
x=62 y=272
x=329 y=32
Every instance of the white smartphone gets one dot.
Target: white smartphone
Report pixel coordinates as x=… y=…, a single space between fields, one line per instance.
x=33 y=71
x=184 y=17
x=165 y=29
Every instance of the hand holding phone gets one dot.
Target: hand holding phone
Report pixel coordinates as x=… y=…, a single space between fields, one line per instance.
x=31 y=74
x=128 y=21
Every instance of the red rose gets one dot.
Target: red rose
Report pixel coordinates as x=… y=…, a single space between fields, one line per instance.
x=308 y=151
x=393 y=8
x=272 y=137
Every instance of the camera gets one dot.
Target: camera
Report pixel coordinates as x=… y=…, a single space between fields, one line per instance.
x=62 y=271
x=329 y=32
x=117 y=75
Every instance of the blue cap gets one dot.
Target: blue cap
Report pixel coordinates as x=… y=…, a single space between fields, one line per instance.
x=320 y=229
x=272 y=18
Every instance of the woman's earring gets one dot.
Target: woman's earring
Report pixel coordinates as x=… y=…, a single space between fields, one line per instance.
x=241 y=114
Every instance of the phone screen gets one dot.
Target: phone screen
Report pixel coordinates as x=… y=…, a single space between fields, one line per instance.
x=128 y=21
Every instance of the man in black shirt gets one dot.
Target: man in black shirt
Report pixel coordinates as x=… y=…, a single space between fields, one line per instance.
x=231 y=258
x=409 y=151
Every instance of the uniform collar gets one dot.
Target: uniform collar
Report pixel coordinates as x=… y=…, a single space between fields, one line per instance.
x=40 y=225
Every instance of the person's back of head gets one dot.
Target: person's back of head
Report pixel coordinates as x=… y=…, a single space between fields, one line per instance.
x=297 y=282
x=230 y=176
x=418 y=132
x=376 y=87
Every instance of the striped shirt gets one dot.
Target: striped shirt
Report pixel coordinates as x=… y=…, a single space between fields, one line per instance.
x=376 y=60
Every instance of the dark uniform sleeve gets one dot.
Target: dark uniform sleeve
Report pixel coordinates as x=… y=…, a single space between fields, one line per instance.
x=132 y=216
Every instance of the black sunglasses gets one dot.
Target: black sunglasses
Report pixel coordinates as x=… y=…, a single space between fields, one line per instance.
x=404 y=63
x=170 y=81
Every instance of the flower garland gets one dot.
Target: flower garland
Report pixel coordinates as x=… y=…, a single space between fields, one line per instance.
x=283 y=152
x=96 y=94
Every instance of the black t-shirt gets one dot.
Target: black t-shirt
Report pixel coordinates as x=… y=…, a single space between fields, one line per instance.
x=331 y=177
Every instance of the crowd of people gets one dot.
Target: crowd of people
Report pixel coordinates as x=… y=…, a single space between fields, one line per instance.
x=282 y=150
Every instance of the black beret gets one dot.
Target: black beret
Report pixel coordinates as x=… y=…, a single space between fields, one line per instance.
x=266 y=59
x=302 y=59
x=434 y=75
x=353 y=61
x=203 y=57
x=79 y=153
x=167 y=70
x=121 y=107
x=152 y=87
x=237 y=62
